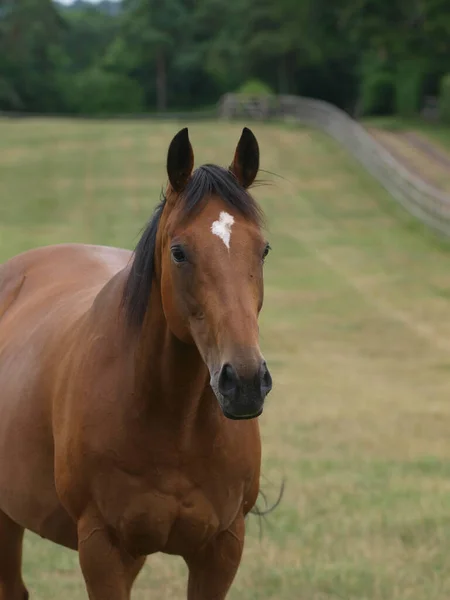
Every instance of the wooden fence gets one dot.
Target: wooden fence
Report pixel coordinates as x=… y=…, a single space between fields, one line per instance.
x=424 y=201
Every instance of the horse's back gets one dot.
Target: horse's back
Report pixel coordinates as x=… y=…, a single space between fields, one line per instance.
x=43 y=292
x=61 y=266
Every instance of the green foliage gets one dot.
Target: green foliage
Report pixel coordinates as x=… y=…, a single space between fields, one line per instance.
x=444 y=99
x=153 y=32
x=408 y=87
x=9 y=99
x=381 y=56
x=377 y=87
x=97 y=91
x=30 y=35
x=255 y=87
x=88 y=34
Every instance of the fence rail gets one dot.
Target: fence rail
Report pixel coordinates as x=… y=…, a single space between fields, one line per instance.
x=426 y=202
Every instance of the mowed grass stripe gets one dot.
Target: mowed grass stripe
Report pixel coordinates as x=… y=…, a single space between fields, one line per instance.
x=355 y=328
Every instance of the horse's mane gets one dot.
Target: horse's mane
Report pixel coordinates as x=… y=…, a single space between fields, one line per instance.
x=206 y=180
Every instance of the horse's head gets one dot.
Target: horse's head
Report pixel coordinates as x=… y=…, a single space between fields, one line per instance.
x=210 y=256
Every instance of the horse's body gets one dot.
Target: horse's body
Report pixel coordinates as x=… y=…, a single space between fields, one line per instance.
x=112 y=440
x=41 y=302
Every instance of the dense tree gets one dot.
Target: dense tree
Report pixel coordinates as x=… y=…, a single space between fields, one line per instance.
x=30 y=32
x=364 y=55
x=153 y=32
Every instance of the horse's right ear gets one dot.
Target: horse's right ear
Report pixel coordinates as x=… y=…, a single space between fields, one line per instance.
x=180 y=160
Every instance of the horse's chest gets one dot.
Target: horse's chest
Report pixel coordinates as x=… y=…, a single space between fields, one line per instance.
x=155 y=522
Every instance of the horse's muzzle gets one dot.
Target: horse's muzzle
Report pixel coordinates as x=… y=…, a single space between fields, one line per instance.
x=242 y=397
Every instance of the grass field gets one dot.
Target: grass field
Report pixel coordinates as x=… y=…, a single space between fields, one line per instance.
x=424 y=148
x=356 y=330
x=435 y=131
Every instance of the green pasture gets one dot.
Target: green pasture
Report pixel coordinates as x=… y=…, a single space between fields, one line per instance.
x=356 y=330
x=437 y=132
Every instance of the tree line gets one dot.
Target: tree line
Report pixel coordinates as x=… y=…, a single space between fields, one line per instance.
x=366 y=56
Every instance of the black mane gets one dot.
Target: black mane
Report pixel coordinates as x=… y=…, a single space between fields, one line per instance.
x=205 y=181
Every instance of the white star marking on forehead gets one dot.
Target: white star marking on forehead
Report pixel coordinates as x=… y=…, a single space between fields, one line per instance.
x=222 y=228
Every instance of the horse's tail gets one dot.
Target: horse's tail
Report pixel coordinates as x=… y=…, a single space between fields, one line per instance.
x=262 y=513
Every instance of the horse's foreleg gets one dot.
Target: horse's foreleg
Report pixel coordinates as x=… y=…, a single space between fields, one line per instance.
x=212 y=572
x=11 y=538
x=108 y=571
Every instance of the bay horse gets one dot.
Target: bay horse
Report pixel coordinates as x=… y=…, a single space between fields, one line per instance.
x=130 y=386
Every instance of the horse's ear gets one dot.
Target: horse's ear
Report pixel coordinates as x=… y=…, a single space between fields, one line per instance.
x=246 y=159
x=180 y=160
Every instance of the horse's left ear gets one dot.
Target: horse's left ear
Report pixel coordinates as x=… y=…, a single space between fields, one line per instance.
x=246 y=159
x=180 y=160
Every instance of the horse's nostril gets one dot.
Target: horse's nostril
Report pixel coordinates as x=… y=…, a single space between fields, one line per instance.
x=228 y=380
x=266 y=379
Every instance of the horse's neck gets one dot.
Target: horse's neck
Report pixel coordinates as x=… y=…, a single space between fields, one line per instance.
x=171 y=379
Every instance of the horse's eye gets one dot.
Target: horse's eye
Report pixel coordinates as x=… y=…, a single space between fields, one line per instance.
x=267 y=249
x=178 y=254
